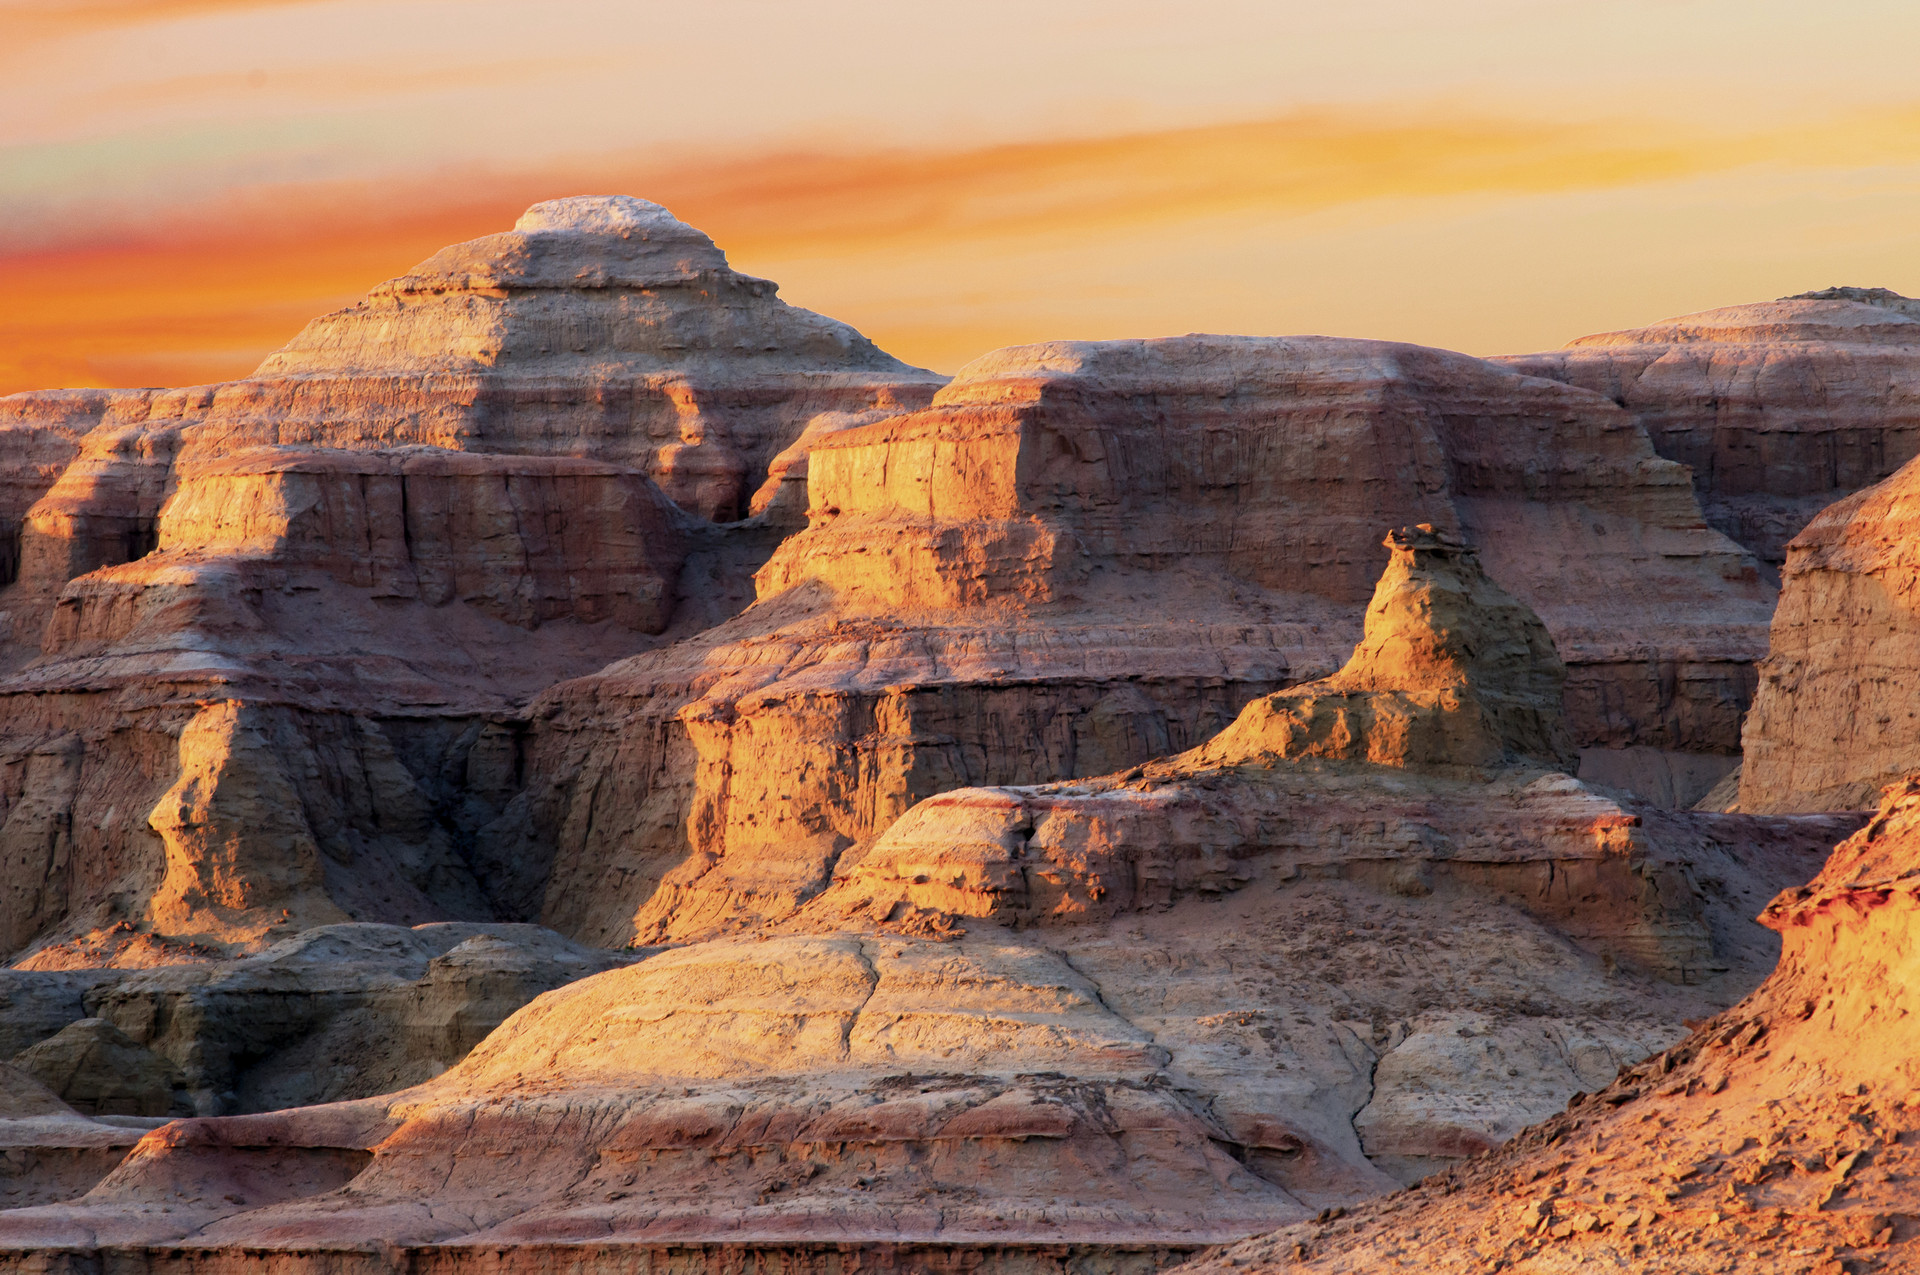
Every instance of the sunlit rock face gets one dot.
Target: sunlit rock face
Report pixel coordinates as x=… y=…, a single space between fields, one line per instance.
x=1834 y=720
x=1779 y=408
x=1780 y=1132
x=600 y=328
x=1370 y=930
x=1086 y=554
x=266 y=641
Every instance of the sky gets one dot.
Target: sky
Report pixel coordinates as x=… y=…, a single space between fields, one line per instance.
x=184 y=183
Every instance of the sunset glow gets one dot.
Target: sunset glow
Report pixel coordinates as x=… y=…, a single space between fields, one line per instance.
x=185 y=183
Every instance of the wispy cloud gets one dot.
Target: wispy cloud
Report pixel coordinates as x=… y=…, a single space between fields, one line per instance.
x=49 y=18
x=213 y=286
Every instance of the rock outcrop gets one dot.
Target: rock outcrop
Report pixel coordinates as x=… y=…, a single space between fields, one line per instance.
x=1779 y=408
x=269 y=639
x=1086 y=554
x=342 y=1011
x=1216 y=993
x=1090 y=844
x=1834 y=720
x=1778 y=1137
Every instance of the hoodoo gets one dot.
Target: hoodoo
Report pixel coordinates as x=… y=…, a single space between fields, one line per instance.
x=1452 y=672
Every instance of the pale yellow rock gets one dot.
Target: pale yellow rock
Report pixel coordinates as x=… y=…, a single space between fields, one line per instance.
x=1834 y=720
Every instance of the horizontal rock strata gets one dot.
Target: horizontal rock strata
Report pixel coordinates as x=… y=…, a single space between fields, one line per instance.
x=1367 y=930
x=1834 y=720
x=270 y=637
x=1779 y=408
x=1083 y=555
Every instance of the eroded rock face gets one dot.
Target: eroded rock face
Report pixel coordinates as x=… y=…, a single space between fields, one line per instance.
x=1779 y=408
x=1221 y=991
x=338 y=1011
x=1086 y=554
x=1452 y=672
x=97 y=1069
x=269 y=639
x=956 y=961
x=1834 y=719
x=1779 y=1134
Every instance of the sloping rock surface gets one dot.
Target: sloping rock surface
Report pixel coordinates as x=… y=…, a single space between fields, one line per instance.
x=341 y=1011
x=1778 y=1137
x=1779 y=408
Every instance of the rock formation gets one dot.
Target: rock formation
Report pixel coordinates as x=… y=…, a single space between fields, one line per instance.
x=1834 y=719
x=1368 y=929
x=1778 y=1137
x=1086 y=554
x=1029 y=820
x=1779 y=408
x=268 y=637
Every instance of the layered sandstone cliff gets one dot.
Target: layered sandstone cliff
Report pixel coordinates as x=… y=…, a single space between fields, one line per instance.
x=1834 y=719
x=1369 y=929
x=1778 y=1137
x=1779 y=408
x=1086 y=554
x=268 y=638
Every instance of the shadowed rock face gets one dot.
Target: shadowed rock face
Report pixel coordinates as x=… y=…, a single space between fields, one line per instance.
x=1205 y=996
x=1086 y=554
x=1779 y=408
x=1778 y=1137
x=1834 y=719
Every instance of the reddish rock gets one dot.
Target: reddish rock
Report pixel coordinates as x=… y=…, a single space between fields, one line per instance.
x=1023 y=1020
x=271 y=634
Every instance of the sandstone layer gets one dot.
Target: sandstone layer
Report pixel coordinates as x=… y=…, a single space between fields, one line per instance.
x=1086 y=554
x=1369 y=929
x=1778 y=1137
x=1779 y=408
x=1834 y=720
x=270 y=639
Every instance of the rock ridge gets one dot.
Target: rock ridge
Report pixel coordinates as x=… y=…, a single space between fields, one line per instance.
x=1777 y=1136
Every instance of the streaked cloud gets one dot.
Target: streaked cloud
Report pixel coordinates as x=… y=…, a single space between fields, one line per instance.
x=203 y=290
x=33 y=20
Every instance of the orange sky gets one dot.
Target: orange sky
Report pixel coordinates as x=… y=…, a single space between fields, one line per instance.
x=183 y=183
